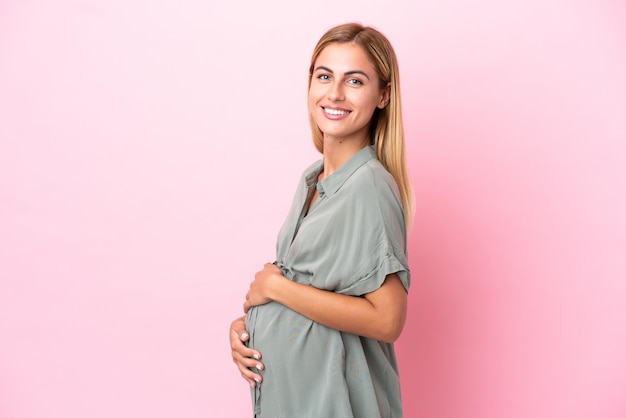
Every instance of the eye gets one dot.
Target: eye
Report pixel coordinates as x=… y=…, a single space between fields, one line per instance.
x=355 y=82
x=323 y=77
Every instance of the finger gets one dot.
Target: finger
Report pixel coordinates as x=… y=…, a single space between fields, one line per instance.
x=252 y=380
x=248 y=367
x=248 y=363
x=249 y=375
x=237 y=335
x=245 y=358
x=242 y=351
x=238 y=325
x=252 y=383
x=244 y=354
x=237 y=346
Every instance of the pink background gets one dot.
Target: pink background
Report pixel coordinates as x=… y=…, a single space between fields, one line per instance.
x=149 y=151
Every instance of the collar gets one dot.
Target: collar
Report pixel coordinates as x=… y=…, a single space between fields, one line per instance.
x=331 y=184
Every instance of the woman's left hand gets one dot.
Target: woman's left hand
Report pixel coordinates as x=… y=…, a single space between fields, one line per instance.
x=260 y=288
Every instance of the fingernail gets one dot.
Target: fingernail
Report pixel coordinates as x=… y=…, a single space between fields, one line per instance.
x=256 y=356
x=244 y=335
x=259 y=366
x=256 y=379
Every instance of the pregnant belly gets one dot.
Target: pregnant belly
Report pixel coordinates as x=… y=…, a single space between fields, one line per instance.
x=292 y=345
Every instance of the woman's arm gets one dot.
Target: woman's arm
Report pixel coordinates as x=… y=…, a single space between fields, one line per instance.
x=244 y=358
x=379 y=315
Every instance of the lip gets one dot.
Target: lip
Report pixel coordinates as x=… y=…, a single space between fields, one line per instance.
x=337 y=112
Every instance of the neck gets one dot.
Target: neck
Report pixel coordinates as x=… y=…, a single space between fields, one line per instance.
x=338 y=151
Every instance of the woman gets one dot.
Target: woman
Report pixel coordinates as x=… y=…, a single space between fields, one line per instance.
x=325 y=314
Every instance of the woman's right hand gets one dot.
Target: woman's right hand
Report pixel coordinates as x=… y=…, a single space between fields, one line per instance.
x=244 y=358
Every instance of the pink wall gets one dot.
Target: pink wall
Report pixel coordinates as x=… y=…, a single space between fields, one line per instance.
x=148 y=152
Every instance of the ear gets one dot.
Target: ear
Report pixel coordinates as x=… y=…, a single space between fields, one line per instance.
x=384 y=97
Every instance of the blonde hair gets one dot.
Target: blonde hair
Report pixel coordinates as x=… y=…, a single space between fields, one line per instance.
x=387 y=130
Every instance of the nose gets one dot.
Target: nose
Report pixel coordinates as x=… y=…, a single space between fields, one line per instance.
x=335 y=91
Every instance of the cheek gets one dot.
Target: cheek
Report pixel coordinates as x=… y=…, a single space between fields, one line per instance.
x=313 y=98
x=314 y=92
x=366 y=105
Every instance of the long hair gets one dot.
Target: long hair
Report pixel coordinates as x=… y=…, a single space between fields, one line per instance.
x=387 y=129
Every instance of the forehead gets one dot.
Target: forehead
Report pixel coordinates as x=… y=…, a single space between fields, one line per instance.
x=345 y=57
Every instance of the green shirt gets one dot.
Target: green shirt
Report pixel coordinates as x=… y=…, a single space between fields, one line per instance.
x=353 y=236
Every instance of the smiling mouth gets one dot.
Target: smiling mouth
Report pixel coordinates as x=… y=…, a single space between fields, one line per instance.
x=336 y=112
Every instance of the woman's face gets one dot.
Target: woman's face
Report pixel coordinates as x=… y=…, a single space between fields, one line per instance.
x=345 y=91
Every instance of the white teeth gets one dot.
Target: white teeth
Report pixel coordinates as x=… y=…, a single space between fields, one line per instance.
x=336 y=112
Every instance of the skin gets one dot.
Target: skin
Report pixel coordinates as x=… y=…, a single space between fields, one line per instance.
x=345 y=90
x=345 y=80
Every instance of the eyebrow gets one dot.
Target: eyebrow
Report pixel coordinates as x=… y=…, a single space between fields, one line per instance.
x=321 y=67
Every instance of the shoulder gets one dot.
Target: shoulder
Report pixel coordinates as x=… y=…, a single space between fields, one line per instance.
x=374 y=196
x=377 y=204
x=374 y=181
